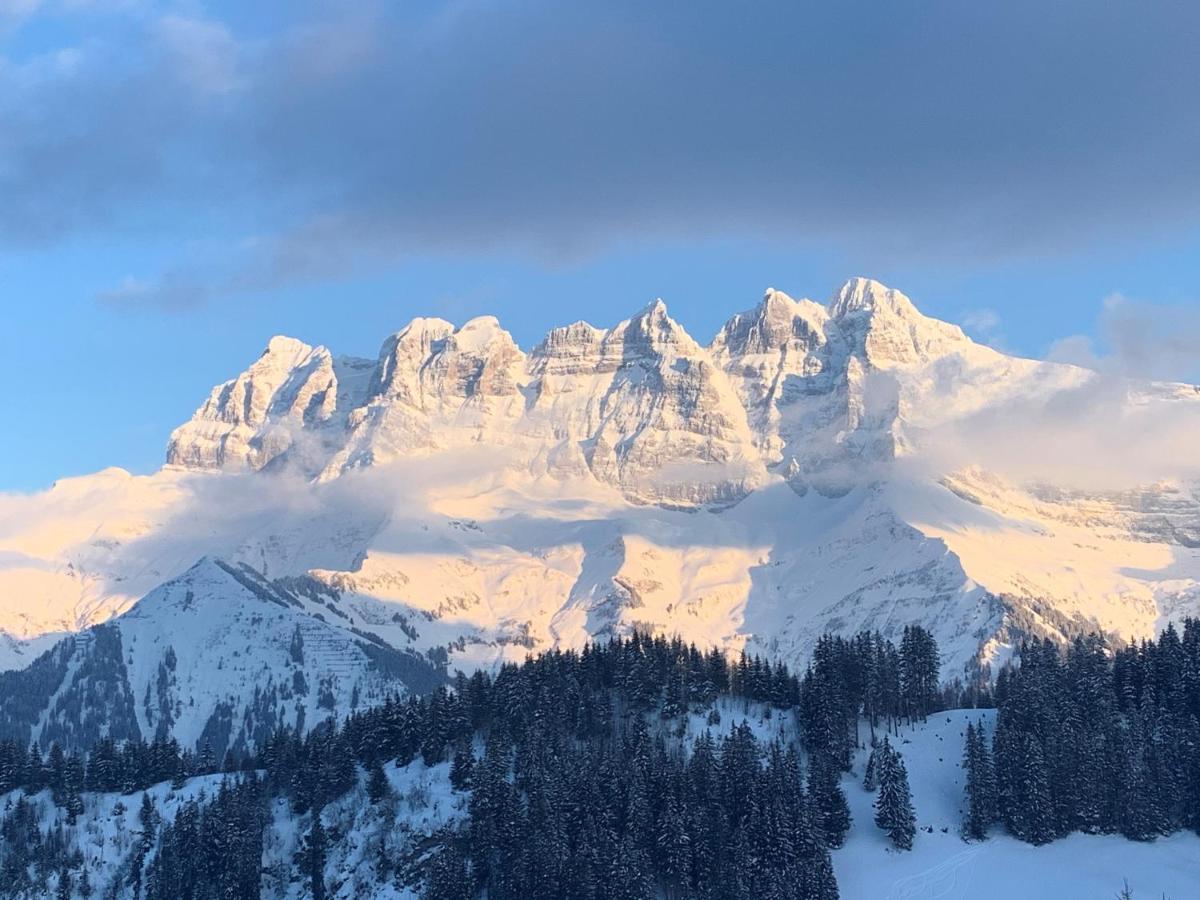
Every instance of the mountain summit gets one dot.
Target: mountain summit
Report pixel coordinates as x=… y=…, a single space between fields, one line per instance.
x=462 y=500
x=631 y=405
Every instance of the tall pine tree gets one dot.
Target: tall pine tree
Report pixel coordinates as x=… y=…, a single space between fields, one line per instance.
x=981 y=785
x=893 y=807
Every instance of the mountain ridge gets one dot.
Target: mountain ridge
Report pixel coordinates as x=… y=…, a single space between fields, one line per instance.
x=217 y=656
x=434 y=386
x=812 y=468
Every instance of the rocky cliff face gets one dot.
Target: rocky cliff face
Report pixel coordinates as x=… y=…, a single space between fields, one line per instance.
x=291 y=392
x=645 y=409
x=641 y=406
x=464 y=497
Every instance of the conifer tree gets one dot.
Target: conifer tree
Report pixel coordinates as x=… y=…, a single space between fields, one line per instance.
x=981 y=785
x=377 y=782
x=448 y=877
x=871 y=775
x=831 y=812
x=206 y=764
x=148 y=821
x=1030 y=811
x=461 y=766
x=315 y=857
x=893 y=807
x=56 y=774
x=674 y=845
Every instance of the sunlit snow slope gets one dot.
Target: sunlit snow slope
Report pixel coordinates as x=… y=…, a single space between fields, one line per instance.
x=846 y=465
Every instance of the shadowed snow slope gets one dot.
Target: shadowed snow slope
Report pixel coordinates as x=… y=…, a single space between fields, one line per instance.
x=836 y=466
x=942 y=865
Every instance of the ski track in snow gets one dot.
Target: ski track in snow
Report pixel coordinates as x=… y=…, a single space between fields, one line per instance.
x=946 y=879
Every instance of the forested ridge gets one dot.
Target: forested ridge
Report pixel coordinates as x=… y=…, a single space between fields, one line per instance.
x=612 y=772
x=580 y=782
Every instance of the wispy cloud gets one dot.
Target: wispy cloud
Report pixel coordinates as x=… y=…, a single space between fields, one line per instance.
x=1139 y=339
x=1132 y=418
x=173 y=291
x=983 y=324
x=1103 y=434
x=958 y=131
x=203 y=53
x=12 y=11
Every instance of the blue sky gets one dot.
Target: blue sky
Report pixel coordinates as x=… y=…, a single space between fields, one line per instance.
x=180 y=181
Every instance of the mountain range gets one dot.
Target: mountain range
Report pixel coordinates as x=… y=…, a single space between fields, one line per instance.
x=326 y=529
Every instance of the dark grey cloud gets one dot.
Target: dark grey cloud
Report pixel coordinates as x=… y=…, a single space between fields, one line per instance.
x=941 y=129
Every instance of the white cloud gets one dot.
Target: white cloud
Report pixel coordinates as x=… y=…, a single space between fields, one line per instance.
x=984 y=324
x=203 y=53
x=1107 y=433
x=1075 y=350
x=1138 y=339
x=15 y=10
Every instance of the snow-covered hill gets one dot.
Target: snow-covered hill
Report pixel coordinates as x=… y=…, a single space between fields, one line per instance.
x=219 y=657
x=816 y=467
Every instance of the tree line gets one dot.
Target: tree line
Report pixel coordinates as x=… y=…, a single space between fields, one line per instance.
x=1094 y=739
x=582 y=781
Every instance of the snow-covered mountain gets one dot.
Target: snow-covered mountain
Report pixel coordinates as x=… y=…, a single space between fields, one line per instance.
x=218 y=657
x=815 y=467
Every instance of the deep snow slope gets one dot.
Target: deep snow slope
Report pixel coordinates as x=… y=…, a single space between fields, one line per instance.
x=941 y=865
x=815 y=467
x=219 y=658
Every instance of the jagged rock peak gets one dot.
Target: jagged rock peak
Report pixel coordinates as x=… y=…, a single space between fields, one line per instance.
x=777 y=310
x=569 y=336
x=478 y=359
x=775 y=322
x=417 y=338
x=655 y=309
x=291 y=382
x=654 y=315
x=867 y=295
x=480 y=333
x=885 y=328
x=570 y=349
x=423 y=327
x=403 y=354
x=430 y=358
x=776 y=303
x=283 y=345
x=655 y=330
